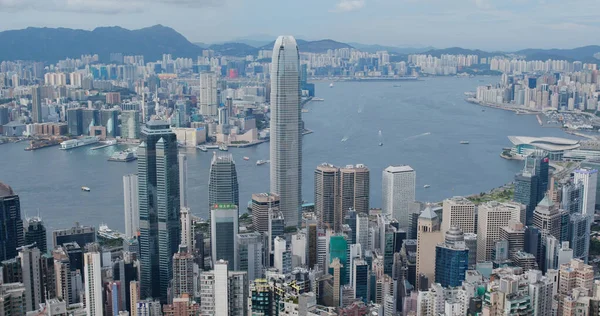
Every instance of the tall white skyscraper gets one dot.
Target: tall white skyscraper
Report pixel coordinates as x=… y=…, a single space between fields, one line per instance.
x=398 y=192
x=589 y=178
x=208 y=94
x=223 y=292
x=286 y=128
x=182 y=180
x=186 y=229
x=30 y=266
x=94 y=305
x=132 y=208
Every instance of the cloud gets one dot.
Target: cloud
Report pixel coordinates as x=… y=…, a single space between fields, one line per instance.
x=98 y=6
x=349 y=5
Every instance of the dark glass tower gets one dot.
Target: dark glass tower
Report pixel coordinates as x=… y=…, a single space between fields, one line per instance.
x=158 y=184
x=526 y=192
x=11 y=224
x=223 y=184
x=35 y=232
x=451 y=259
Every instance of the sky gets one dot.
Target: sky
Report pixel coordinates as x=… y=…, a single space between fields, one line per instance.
x=484 y=24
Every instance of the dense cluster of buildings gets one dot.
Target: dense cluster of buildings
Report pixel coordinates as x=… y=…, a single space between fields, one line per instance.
x=338 y=256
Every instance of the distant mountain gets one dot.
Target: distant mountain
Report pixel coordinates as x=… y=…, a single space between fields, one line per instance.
x=200 y=44
x=373 y=48
x=52 y=44
x=234 y=49
x=461 y=51
x=320 y=46
x=583 y=54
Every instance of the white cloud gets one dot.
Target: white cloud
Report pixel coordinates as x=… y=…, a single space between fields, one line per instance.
x=349 y=5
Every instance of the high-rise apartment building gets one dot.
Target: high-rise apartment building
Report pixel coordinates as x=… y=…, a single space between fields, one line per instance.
x=490 y=218
x=208 y=94
x=223 y=183
x=398 y=192
x=224 y=292
x=131 y=205
x=93 y=284
x=223 y=232
x=30 y=258
x=286 y=128
x=183 y=273
x=262 y=205
x=589 y=178
x=35 y=233
x=158 y=185
x=12 y=225
x=459 y=212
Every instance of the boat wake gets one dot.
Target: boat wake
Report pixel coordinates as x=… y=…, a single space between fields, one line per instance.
x=417 y=136
x=344 y=139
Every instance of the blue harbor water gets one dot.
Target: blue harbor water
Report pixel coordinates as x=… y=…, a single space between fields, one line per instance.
x=421 y=123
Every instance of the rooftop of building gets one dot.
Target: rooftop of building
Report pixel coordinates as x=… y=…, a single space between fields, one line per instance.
x=6 y=190
x=545 y=143
x=397 y=169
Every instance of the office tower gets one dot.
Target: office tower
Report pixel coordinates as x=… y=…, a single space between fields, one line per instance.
x=131 y=205
x=223 y=232
x=338 y=249
x=110 y=120
x=335 y=268
x=158 y=184
x=281 y=256
x=93 y=284
x=208 y=94
x=130 y=124
x=398 y=193
x=186 y=229
x=548 y=219
x=327 y=204
x=134 y=296
x=526 y=186
x=451 y=259
x=471 y=243
x=298 y=250
x=32 y=276
x=36 y=104
x=75 y=121
x=223 y=183
x=360 y=280
x=250 y=254
x=514 y=234
x=35 y=233
x=491 y=216
x=262 y=203
x=12 y=224
x=538 y=164
x=182 y=159
x=224 y=292
x=82 y=235
x=183 y=273
x=572 y=197
x=276 y=227
x=124 y=271
x=354 y=189
x=286 y=128
x=428 y=237
x=62 y=272
x=589 y=178
x=89 y=119
x=459 y=212
x=362 y=230
x=12 y=299
x=579 y=235
x=312 y=235
x=588 y=164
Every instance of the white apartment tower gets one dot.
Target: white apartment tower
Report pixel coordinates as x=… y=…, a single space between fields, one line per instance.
x=208 y=94
x=94 y=305
x=398 y=191
x=589 y=179
x=132 y=207
x=286 y=128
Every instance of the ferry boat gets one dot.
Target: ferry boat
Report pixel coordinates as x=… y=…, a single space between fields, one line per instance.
x=202 y=148
x=261 y=162
x=331 y=85
x=123 y=156
x=86 y=189
x=74 y=143
x=211 y=146
x=426 y=186
x=464 y=142
x=223 y=147
x=246 y=158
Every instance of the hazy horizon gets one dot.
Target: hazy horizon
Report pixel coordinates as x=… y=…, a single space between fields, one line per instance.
x=492 y=25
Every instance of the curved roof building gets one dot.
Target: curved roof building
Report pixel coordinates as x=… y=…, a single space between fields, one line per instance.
x=555 y=146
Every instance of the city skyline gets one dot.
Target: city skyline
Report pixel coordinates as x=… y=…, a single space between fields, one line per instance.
x=399 y=23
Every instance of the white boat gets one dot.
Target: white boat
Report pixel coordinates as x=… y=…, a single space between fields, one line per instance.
x=74 y=143
x=331 y=85
x=108 y=234
x=464 y=142
x=223 y=147
x=380 y=136
x=86 y=189
x=202 y=148
x=426 y=186
x=123 y=156
x=246 y=158
x=261 y=162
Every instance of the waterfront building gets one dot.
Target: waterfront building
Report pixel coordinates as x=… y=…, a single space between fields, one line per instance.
x=286 y=128
x=223 y=183
x=459 y=212
x=130 y=124
x=398 y=192
x=428 y=237
x=82 y=235
x=589 y=179
x=158 y=185
x=12 y=224
x=208 y=94
x=223 y=231
x=250 y=254
x=93 y=284
x=451 y=259
x=131 y=205
x=262 y=205
x=224 y=292
x=36 y=105
x=490 y=218
x=35 y=233
x=555 y=147
x=75 y=121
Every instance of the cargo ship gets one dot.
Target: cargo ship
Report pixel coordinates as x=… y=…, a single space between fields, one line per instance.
x=80 y=142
